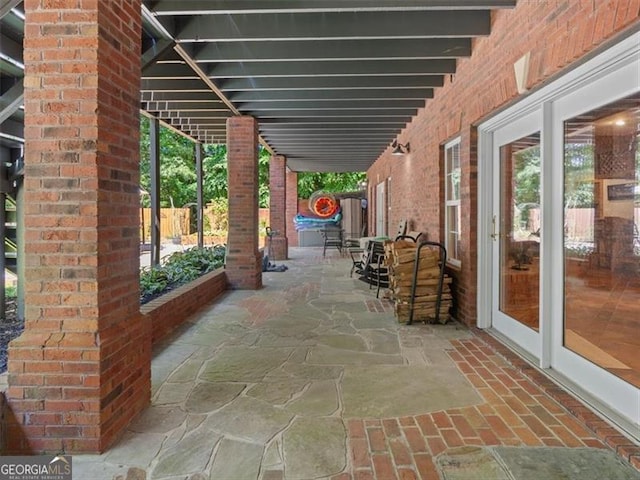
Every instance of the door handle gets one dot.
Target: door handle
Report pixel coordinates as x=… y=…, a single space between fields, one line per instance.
x=494 y=235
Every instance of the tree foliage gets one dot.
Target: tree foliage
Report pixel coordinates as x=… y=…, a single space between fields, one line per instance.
x=309 y=182
x=579 y=176
x=579 y=170
x=215 y=172
x=177 y=166
x=527 y=176
x=216 y=184
x=178 y=174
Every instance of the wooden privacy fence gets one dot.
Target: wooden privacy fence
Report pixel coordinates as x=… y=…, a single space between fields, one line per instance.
x=578 y=223
x=176 y=222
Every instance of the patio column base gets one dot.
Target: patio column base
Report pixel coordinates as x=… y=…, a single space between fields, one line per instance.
x=244 y=272
x=89 y=386
x=278 y=248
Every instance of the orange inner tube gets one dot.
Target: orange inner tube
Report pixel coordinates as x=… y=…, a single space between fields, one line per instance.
x=325 y=207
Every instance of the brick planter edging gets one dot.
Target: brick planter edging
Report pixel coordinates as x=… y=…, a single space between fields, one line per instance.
x=172 y=309
x=610 y=436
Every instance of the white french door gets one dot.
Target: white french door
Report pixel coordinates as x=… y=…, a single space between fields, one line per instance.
x=597 y=299
x=516 y=231
x=559 y=211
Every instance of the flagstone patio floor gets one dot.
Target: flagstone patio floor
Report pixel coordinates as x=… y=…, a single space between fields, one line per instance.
x=311 y=377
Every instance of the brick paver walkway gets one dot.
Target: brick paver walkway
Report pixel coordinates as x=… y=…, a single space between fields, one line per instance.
x=518 y=411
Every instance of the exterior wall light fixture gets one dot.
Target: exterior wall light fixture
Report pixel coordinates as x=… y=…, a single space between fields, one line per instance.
x=399 y=148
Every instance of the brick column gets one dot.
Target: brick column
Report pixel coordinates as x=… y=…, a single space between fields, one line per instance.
x=278 y=247
x=81 y=370
x=244 y=259
x=292 y=207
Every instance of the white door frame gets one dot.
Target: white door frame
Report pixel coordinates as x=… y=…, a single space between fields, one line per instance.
x=524 y=336
x=486 y=181
x=381 y=209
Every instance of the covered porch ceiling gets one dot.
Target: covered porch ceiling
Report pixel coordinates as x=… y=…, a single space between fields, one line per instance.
x=331 y=82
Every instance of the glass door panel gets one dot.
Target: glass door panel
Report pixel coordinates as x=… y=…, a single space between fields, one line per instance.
x=517 y=229
x=601 y=241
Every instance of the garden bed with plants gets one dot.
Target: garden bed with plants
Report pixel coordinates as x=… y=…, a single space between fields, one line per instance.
x=184 y=283
x=178 y=269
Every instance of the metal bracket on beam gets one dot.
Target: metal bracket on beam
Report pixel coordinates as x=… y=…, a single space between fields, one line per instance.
x=7 y=5
x=11 y=100
x=156 y=51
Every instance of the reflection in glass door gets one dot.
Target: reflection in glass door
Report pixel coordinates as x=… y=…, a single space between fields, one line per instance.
x=601 y=240
x=517 y=228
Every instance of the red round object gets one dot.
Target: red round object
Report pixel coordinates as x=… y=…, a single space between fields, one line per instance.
x=325 y=206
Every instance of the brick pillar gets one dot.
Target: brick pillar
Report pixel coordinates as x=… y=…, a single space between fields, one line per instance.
x=244 y=259
x=278 y=247
x=81 y=370
x=292 y=207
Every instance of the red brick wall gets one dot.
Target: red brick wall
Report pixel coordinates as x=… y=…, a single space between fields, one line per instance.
x=169 y=311
x=557 y=34
x=244 y=260
x=81 y=370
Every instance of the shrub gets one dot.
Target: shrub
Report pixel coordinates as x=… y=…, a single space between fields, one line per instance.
x=11 y=291
x=217 y=213
x=179 y=268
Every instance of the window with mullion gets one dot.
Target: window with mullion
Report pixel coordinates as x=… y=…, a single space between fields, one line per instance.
x=452 y=201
